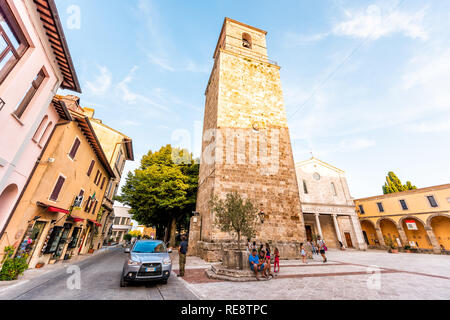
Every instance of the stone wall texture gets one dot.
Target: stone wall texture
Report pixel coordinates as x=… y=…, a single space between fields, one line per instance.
x=246 y=146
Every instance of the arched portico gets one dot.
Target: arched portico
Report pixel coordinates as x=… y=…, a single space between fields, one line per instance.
x=439 y=223
x=390 y=231
x=370 y=233
x=7 y=200
x=417 y=233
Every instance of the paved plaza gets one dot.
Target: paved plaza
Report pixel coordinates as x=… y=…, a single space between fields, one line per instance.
x=347 y=275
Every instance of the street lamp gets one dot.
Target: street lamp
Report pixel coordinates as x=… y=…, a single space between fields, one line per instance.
x=262 y=216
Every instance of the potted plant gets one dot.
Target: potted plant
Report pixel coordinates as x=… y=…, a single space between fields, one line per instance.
x=407 y=248
x=391 y=245
x=39 y=265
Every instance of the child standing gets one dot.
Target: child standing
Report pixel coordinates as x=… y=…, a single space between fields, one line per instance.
x=303 y=253
x=276 y=262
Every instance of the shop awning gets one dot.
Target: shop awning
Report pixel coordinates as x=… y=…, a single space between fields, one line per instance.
x=76 y=219
x=95 y=222
x=52 y=208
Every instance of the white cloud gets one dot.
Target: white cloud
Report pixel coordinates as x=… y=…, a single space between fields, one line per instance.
x=373 y=22
x=133 y=98
x=428 y=73
x=131 y=123
x=355 y=144
x=160 y=62
x=102 y=82
x=194 y=67
x=431 y=126
x=376 y=22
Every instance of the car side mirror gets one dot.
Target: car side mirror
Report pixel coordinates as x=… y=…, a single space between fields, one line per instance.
x=127 y=250
x=170 y=250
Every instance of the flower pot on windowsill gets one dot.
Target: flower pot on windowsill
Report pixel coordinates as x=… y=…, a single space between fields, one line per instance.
x=91 y=251
x=39 y=265
x=393 y=250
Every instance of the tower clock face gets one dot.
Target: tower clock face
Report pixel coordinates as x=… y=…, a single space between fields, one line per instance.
x=316 y=176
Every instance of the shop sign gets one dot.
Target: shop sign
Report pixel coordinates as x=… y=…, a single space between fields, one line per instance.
x=411 y=225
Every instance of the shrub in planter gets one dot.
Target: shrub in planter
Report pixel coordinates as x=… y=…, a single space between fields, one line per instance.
x=12 y=267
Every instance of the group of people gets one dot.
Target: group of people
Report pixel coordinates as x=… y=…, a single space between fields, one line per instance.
x=260 y=257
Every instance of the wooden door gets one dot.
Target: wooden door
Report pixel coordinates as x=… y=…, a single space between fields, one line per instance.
x=308 y=233
x=348 y=239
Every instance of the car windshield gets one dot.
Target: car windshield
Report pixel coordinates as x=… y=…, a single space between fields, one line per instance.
x=149 y=247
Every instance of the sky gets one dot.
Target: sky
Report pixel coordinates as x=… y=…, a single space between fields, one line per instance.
x=366 y=84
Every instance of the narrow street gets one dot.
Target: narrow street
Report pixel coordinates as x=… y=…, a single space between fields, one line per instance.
x=100 y=277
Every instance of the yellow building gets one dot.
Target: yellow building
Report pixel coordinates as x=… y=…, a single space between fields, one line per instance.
x=416 y=218
x=118 y=148
x=57 y=215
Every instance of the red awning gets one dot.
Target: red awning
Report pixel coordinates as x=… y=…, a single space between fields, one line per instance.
x=95 y=222
x=76 y=219
x=52 y=208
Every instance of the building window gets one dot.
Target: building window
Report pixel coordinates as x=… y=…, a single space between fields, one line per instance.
x=12 y=41
x=45 y=134
x=91 y=167
x=333 y=188
x=117 y=220
x=35 y=84
x=432 y=201
x=305 y=188
x=57 y=189
x=380 y=207
x=246 y=41
x=39 y=130
x=403 y=204
x=361 y=209
x=74 y=149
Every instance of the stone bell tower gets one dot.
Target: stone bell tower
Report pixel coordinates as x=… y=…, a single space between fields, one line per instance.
x=246 y=145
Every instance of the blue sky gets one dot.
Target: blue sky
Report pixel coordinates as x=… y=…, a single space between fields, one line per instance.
x=366 y=83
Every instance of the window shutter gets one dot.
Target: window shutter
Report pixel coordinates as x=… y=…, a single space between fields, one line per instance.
x=95 y=206
x=74 y=149
x=86 y=208
x=96 y=176
x=99 y=179
x=91 y=167
x=103 y=183
x=57 y=189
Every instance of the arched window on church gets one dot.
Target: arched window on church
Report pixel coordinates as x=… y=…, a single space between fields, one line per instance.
x=246 y=41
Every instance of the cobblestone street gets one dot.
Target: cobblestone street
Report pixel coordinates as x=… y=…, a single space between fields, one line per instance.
x=347 y=275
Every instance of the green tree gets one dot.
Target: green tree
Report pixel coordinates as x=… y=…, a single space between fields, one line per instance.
x=235 y=215
x=393 y=184
x=162 y=191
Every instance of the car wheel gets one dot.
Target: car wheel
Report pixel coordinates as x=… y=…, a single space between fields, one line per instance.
x=123 y=283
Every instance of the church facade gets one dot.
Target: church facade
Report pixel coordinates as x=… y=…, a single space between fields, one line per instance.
x=327 y=206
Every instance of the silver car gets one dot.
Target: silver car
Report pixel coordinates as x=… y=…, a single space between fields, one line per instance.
x=148 y=260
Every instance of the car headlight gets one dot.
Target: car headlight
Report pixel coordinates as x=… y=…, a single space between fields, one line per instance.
x=167 y=261
x=133 y=263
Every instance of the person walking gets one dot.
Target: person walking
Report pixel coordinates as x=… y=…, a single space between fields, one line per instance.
x=182 y=250
x=303 y=253
x=322 y=248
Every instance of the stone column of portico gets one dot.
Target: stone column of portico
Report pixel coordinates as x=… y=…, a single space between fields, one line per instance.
x=336 y=227
x=434 y=242
x=319 y=228
x=402 y=235
x=362 y=245
x=380 y=236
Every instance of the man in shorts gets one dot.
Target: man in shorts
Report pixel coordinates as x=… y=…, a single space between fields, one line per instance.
x=257 y=265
